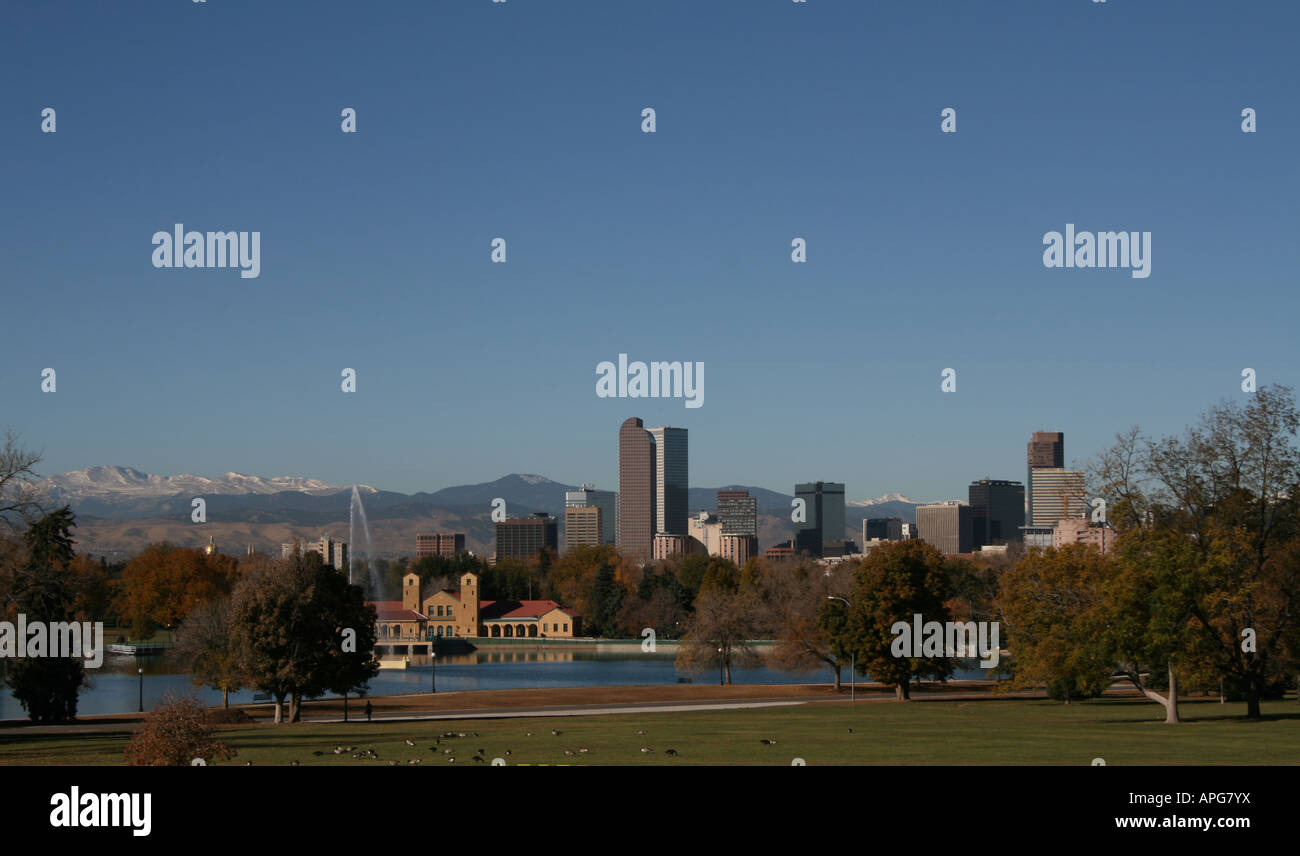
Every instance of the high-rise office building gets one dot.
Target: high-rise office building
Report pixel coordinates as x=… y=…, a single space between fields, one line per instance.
x=439 y=544
x=524 y=537
x=738 y=512
x=822 y=532
x=332 y=552
x=945 y=525
x=606 y=500
x=997 y=511
x=1047 y=449
x=671 y=480
x=1056 y=494
x=582 y=526
x=882 y=528
x=636 y=490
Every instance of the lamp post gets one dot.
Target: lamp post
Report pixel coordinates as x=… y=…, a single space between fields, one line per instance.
x=141 y=673
x=853 y=657
x=433 y=669
x=721 y=669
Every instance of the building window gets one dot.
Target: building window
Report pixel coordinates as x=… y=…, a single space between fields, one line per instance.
x=566 y=628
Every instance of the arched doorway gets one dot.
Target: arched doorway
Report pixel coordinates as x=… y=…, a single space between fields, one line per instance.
x=532 y=630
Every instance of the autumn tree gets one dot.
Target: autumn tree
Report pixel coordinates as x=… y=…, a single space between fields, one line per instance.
x=659 y=603
x=1051 y=605
x=571 y=578
x=796 y=594
x=720 y=633
x=205 y=645
x=892 y=584
x=1215 y=516
x=289 y=623
x=162 y=584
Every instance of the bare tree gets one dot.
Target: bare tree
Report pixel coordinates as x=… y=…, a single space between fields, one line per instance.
x=796 y=594
x=20 y=498
x=721 y=630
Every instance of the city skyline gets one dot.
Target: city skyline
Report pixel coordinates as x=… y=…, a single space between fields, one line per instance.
x=375 y=247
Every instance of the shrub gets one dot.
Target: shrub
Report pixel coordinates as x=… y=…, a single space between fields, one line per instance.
x=174 y=734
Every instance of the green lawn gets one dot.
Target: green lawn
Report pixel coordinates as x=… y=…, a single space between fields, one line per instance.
x=957 y=732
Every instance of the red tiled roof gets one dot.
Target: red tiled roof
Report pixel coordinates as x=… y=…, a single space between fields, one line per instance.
x=493 y=609
x=393 y=610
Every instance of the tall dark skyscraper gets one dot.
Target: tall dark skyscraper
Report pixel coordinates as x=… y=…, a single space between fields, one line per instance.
x=822 y=532
x=672 y=474
x=884 y=528
x=997 y=511
x=636 y=490
x=523 y=537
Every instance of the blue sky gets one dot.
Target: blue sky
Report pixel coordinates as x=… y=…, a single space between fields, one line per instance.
x=522 y=120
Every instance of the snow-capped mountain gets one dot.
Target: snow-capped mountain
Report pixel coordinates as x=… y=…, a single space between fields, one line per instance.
x=889 y=497
x=127 y=483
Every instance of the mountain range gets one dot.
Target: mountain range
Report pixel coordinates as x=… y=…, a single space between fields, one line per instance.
x=120 y=510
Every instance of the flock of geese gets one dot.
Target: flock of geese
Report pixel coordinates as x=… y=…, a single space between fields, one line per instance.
x=449 y=753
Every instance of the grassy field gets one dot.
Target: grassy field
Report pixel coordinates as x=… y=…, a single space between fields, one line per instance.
x=939 y=732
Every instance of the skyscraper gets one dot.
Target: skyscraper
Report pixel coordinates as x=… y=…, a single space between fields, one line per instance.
x=671 y=479
x=439 y=544
x=883 y=528
x=945 y=525
x=606 y=500
x=738 y=519
x=582 y=526
x=738 y=512
x=1057 y=494
x=636 y=490
x=822 y=532
x=1047 y=449
x=524 y=537
x=997 y=511
x=332 y=552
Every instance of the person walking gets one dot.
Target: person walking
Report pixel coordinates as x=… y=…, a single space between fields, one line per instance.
x=368 y=709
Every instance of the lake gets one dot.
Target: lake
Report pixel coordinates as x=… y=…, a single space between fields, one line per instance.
x=116 y=687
